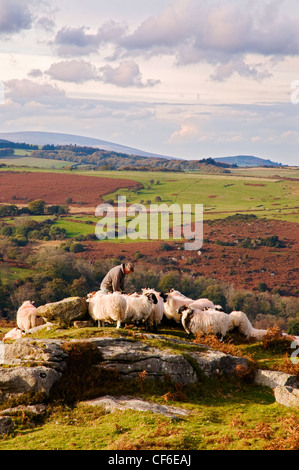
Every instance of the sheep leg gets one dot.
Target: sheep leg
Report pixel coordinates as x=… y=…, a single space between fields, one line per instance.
x=118 y=324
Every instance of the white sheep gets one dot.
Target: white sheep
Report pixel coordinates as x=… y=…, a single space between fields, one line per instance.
x=203 y=304
x=208 y=321
x=240 y=321
x=27 y=317
x=139 y=306
x=15 y=333
x=108 y=308
x=157 y=312
x=174 y=300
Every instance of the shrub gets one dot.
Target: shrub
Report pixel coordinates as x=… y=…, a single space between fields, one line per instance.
x=37 y=207
x=293 y=327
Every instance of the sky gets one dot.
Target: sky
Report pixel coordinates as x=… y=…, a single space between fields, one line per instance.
x=190 y=79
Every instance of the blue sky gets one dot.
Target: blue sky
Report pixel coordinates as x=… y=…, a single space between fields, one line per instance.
x=186 y=78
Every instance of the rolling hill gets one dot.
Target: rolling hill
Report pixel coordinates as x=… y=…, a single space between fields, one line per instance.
x=246 y=161
x=59 y=139
x=54 y=138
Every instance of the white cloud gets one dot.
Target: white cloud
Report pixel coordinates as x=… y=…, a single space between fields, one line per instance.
x=25 y=91
x=125 y=75
x=219 y=33
x=77 y=71
x=186 y=132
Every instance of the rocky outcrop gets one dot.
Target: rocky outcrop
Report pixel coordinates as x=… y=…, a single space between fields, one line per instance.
x=287 y=396
x=35 y=365
x=272 y=379
x=285 y=386
x=125 y=403
x=17 y=381
x=65 y=312
x=6 y=425
x=130 y=358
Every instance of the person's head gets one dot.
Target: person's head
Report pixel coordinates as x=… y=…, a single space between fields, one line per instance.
x=128 y=268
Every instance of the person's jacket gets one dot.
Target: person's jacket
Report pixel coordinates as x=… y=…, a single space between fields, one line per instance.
x=114 y=281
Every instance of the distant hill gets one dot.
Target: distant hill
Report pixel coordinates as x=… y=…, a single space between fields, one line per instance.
x=246 y=160
x=54 y=138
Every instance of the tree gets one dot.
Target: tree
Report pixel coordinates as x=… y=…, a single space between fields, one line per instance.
x=37 y=207
x=293 y=327
x=170 y=281
x=215 y=294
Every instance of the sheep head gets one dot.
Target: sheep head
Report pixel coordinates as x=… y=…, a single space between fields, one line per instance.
x=183 y=309
x=152 y=297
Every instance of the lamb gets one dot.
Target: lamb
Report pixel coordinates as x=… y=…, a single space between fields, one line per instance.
x=209 y=321
x=156 y=315
x=240 y=321
x=139 y=306
x=108 y=308
x=174 y=300
x=27 y=317
x=15 y=333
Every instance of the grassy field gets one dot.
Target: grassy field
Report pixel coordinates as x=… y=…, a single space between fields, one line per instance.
x=20 y=160
x=224 y=414
x=260 y=192
x=220 y=195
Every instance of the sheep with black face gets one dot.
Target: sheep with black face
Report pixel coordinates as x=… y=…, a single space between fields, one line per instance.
x=208 y=321
x=139 y=306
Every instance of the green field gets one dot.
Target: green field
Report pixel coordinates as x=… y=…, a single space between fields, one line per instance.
x=20 y=160
x=221 y=195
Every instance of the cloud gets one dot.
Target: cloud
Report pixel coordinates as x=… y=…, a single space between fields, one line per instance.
x=186 y=132
x=75 y=42
x=238 y=65
x=72 y=42
x=77 y=71
x=25 y=91
x=35 y=73
x=125 y=75
x=219 y=33
x=15 y=16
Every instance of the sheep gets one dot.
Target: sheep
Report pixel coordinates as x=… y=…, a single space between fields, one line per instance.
x=108 y=308
x=209 y=321
x=27 y=317
x=174 y=300
x=15 y=333
x=203 y=304
x=156 y=315
x=240 y=321
x=139 y=306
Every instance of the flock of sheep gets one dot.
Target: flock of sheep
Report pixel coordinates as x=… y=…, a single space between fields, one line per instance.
x=148 y=308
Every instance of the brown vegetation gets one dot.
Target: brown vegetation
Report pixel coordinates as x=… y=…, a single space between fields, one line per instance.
x=56 y=188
